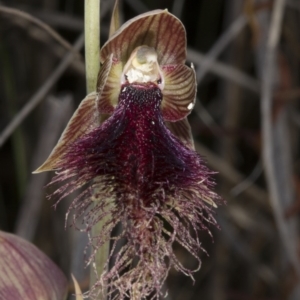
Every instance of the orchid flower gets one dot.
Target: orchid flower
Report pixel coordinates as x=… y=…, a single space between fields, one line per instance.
x=129 y=150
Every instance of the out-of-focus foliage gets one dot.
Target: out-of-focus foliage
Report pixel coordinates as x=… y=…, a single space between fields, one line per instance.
x=248 y=258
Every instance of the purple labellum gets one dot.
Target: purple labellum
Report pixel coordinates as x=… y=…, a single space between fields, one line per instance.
x=153 y=178
x=135 y=152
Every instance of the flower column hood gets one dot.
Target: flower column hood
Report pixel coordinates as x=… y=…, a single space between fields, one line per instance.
x=164 y=33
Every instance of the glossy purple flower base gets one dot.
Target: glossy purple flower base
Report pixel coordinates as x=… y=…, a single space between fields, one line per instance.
x=133 y=161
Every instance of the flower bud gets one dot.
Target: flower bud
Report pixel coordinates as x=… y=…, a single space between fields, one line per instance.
x=27 y=273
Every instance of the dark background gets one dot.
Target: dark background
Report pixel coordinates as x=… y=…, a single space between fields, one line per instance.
x=255 y=255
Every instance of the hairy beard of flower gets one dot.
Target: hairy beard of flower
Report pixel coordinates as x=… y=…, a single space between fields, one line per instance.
x=138 y=174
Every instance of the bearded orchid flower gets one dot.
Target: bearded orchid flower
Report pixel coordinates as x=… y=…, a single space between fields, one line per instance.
x=129 y=150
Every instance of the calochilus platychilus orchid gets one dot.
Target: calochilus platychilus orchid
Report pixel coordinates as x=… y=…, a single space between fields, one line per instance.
x=128 y=149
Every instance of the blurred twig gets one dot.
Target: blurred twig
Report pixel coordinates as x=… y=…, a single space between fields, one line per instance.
x=137 y=5
x=64 y=20
x=77 y=66
x=206 y=118
x=239 y=188
x=241 y=247
x=294 y=4
x=39 y=23
x=56 y=116
x=269 y=154
x=57 y=50
x=18 y=137
x=58 y=19
x=232 y=175
x=177 y=8
x=41 y=93
x=235 y=28
x=223 y=70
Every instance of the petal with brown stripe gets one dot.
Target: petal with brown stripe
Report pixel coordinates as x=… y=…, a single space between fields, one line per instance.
x=83 y=121
x=179 y=93
x=182 y=130
x=108 y=85
x=158 y=29
x=27 y=273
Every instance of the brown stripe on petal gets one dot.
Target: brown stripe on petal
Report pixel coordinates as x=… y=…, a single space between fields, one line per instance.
x=103 y=73
x=182 y=130
x=158 y=29
x=108 y=85
x=179 y=93
x=83 y=121
x=27 y=273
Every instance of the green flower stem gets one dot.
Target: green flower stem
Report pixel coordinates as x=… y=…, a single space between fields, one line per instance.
x=92 y=42
x=92 y=55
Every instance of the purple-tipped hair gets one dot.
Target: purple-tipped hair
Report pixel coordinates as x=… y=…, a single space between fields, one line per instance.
x=138 y=173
